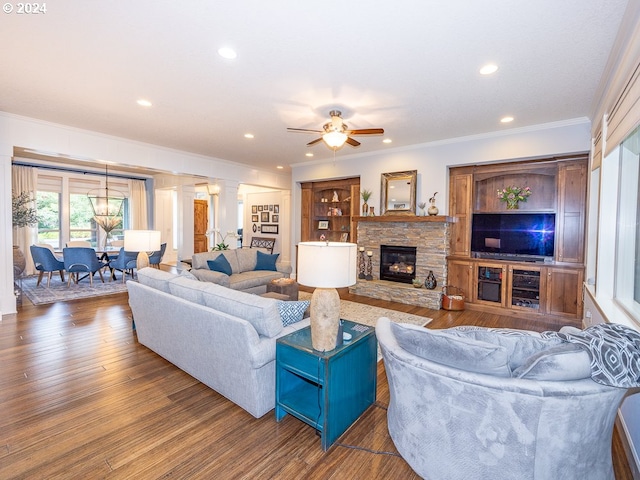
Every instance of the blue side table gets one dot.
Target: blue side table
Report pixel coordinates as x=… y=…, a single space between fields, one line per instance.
x=327 y=390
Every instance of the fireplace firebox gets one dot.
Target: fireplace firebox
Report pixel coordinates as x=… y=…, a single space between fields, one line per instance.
x=397 y=264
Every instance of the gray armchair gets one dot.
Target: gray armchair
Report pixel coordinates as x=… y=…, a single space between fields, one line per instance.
x=483 y=403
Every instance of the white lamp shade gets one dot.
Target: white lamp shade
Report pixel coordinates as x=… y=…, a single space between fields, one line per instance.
x=141 y=240
x=327 y=264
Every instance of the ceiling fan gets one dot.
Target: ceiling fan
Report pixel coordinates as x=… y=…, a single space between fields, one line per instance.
x=336 y=133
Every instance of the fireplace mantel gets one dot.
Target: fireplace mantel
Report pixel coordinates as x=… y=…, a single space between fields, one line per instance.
x=406 y=218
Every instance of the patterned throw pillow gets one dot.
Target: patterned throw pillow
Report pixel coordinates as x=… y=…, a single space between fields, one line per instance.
x=292 y=312
x=220 y=264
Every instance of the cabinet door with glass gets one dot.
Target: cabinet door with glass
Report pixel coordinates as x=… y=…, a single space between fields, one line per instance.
x=490 y=283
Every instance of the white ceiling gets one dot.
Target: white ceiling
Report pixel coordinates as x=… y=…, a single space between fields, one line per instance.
x=410 y=67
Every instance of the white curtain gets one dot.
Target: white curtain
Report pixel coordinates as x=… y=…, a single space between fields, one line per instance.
x=24 y=179
x=138 y=204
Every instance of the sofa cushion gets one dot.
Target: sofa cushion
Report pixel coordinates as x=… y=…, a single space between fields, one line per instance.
x=246 y=259
x=254 y=278
x=292 y=312
x=261 y=312
x=566 y=361
x=455 y=351
x=187 y=289
x=220 y=264
x=155 y=278
x=266 y=261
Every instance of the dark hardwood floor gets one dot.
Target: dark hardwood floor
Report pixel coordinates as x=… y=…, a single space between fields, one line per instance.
x=80 y=398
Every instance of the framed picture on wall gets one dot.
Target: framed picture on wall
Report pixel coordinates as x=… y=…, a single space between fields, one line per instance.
x=270 y=229
x=271 y=208
x=323 y=225
x=264 y=217
x=254 y=209
x=255 y=218
x=254 y=228
x=265 y=208
x=276 y=209
x=275 y=218
x=259 y=208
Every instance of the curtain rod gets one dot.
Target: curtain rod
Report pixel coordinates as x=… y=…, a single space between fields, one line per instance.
x=75 y=170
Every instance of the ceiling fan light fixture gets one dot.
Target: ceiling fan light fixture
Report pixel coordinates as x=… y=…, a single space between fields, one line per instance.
x=334 y=139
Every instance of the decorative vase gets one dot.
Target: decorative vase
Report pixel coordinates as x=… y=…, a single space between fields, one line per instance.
x=433 y=210
x=365 y=209
x=430 y=282
x=19 y=262
x=512 y=204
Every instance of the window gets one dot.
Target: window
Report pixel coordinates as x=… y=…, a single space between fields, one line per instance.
x=81 y=224
x=627 y=276
x=48 y=206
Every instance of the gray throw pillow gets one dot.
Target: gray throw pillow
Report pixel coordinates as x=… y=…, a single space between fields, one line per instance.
x=458 y=352
x=562 y=362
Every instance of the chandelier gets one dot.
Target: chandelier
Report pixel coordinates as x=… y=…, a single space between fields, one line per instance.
x=106 y=205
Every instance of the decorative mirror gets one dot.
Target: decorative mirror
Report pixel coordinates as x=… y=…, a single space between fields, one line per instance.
x=398 y=193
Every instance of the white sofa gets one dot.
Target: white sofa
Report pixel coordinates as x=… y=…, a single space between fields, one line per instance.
x=224 y=338
x=244 y=275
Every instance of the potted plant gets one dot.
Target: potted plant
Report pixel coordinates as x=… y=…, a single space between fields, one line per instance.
x=366 y=195
x=22 y=215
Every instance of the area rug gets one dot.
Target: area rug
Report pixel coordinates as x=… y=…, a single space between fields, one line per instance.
x=59 y=292
x=368 y=315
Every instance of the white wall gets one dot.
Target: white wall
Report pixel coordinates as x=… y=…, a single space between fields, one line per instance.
x=16 y=131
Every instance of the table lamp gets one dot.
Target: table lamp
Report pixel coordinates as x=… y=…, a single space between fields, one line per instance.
x=142 y=241
x=326 y=266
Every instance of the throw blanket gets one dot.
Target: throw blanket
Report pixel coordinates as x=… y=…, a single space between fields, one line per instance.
x=614 y=350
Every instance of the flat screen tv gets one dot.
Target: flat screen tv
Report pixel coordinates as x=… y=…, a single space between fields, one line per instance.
x=526 y=236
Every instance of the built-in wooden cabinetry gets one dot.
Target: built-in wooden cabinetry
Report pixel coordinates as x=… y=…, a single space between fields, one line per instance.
x=329 y=208
x=519 y=287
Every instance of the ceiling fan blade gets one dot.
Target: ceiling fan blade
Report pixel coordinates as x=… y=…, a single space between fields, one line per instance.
x=303 y=130
x=352 y=142
x=314 y=141
x=366 y=131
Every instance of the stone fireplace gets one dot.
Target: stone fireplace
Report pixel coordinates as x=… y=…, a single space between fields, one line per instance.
x=430 y=238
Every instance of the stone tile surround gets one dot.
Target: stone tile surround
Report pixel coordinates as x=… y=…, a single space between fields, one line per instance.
x=430 y=235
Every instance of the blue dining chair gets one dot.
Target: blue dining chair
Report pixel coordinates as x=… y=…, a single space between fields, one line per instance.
x=156 y=257
x=124 y=262
x=79 y=260
x=45 y=261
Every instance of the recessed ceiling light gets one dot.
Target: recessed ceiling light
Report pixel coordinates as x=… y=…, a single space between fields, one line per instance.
x=144 y=103
x=506 y=119
x=279 y=167
x=387 y=140
x=308 y=154
x=248 y=135
x=488 y=69
x=226 y=52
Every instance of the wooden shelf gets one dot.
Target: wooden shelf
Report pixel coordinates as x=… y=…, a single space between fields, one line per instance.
x=406 y=218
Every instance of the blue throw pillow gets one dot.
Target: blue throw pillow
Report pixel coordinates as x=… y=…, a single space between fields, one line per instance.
x=266 y=261
x=220 y=264
x=292 y=312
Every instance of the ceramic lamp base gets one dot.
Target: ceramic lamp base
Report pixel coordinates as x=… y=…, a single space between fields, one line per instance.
x=325 y=318
x=142 y=260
